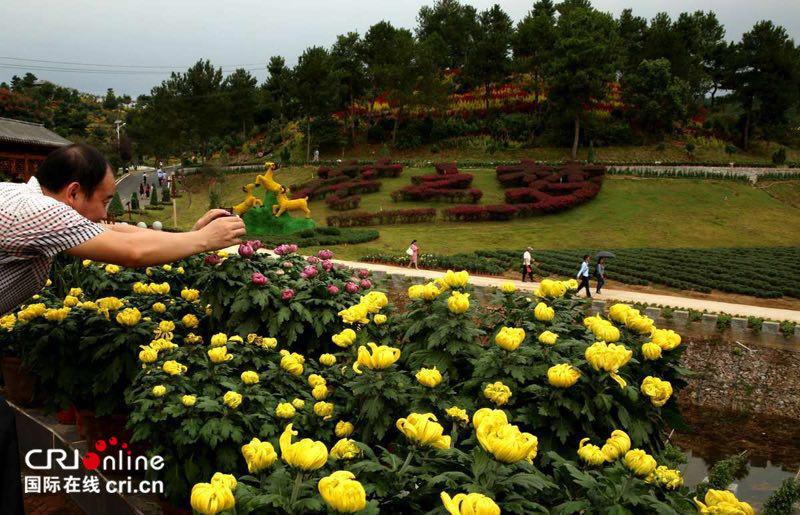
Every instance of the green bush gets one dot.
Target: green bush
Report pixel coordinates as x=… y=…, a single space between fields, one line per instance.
x=779 y=157
x=135 y=201
x=115 y=208
x=165 y=196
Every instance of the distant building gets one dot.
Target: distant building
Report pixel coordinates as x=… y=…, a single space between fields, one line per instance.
x=23 y=146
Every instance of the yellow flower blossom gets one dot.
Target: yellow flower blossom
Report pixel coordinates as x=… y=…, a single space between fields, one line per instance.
x=610 y=358
x=345 y=449
x=424 y=430
x=381 y=358
x=305 y=455
x=430 y=377
x=504 y=441
x=342 y=492
x=285 y=410
x=658 y=390
x=232 y=399
x=497 y=392
x=219 y=355
x=510 y=338
x=469 y=504
x=258 y=455
x=563 y=375
x=543 y=312
x=344 y=429
x=173 y=368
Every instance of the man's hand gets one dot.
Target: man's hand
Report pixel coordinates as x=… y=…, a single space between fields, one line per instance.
x=223 y=231
x=212 y=214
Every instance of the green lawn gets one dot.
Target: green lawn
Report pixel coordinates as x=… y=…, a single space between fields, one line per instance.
x=627 y=213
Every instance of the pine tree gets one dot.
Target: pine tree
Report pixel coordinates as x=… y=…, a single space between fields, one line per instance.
x=135 y=201
x=154 y=196
x=165 y=196
x=115 y=209
x=213 y=198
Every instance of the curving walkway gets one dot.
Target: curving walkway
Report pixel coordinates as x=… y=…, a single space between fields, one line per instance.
x=607 y=295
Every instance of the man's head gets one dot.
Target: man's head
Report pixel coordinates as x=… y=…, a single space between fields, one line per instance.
x=79 y=176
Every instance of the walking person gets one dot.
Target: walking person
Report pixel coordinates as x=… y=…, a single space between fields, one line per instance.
x=583 y=276
x=527 y=269
x=413 y=253
x=600 y=273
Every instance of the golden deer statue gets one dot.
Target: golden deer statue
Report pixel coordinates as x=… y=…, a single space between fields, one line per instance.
x=284 y=204
x=249 y=201
x=266 y=180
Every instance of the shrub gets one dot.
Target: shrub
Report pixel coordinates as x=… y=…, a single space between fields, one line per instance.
x=135 y=201
x=338 y=203
x=779 y=157
x=115 y=208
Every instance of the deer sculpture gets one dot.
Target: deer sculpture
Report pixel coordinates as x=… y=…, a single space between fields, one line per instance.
x=266 y=179
x=249 y=201
x=285 y=204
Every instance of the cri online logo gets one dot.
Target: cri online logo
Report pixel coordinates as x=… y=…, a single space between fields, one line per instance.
x=122 y=461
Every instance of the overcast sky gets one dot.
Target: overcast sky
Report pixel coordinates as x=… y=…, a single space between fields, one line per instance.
x=176 y=33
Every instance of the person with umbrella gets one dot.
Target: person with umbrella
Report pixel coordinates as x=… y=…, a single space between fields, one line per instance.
x=600 y=269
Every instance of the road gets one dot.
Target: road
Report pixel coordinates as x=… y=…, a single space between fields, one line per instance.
x=130 y=183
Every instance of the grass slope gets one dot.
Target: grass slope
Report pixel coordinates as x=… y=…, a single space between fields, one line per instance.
x=659 y=213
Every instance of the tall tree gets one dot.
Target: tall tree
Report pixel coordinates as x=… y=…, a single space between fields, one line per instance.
x=278 y=86
x=241 y=89
x=389 y=59
x=584 y=62
x=203 y=105
x=454 y=23
x=767 y=78
x=488 y=58
x=110 y=101
x=656 y=98
x=347 y=57
x=315 y=86
x=533 y=43
x=632 y=32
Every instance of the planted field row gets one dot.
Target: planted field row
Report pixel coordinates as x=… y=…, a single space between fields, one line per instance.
x=767 y=272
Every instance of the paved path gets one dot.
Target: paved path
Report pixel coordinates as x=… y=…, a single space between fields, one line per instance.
x=130 y=183
x=607 y=295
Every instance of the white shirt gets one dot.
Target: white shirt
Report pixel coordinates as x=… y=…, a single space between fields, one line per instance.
x=526 y=258
x=33 y=229
x=584 y=271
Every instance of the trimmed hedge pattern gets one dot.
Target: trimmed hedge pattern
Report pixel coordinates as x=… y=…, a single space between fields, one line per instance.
x=446 y=185
x=352 y=168
x=389 y=217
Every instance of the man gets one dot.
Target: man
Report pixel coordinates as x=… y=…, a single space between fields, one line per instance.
x=583 y=276
x=527 y=270
x=57 y=211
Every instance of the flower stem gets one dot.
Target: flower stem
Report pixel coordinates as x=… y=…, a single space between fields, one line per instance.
x=296 y=490
x=406 y=463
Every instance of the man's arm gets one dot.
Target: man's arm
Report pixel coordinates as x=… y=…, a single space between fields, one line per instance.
x=145 y=248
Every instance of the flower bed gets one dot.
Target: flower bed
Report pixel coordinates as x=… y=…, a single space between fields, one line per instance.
x=388 y=217
x=289 y=385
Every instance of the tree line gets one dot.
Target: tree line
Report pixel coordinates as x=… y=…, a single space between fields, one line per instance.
x=569 y=56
